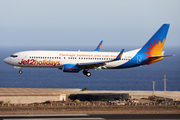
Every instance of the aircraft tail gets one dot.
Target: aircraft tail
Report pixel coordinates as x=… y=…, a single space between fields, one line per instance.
x=152 y=51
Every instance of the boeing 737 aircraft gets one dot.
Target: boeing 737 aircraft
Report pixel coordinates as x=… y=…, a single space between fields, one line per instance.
x=75 y=61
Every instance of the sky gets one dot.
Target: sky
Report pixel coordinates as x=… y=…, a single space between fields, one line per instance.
x=87 y=22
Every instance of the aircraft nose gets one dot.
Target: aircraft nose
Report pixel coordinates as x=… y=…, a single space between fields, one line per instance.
x=7 y=60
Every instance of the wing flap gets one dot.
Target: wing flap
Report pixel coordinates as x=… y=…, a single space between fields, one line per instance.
x=92 y=65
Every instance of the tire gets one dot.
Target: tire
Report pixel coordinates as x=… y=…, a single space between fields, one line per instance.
x=84 y=72
x=88 y=74
x=20 y=71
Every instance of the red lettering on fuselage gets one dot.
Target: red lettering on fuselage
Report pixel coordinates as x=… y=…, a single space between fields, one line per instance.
x=36 y=62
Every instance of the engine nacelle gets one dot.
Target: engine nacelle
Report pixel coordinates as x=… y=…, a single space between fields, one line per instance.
x=71 y=68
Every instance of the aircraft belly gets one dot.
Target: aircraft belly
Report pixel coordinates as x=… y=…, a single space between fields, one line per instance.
x=114 y=64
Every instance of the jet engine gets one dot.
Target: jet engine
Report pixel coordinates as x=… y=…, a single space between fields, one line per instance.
x=71 y=68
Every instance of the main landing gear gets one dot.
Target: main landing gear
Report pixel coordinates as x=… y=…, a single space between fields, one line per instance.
x=87 y=73
x=20 y=71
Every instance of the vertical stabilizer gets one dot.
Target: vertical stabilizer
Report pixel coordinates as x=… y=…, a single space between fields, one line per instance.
x=154 y=47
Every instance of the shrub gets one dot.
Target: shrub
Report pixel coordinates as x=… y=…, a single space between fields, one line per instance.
x=7 y=103
x=1 y=102
x=85 y=89
x=160 y=100
x=152 y=98
x=48 y=102
x=77 y=100
x=72 y=96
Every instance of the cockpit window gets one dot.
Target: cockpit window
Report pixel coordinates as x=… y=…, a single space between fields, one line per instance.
x=13 y=56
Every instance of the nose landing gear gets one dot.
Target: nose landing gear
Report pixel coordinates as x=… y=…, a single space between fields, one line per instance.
x=87 y=73
x=20 y=71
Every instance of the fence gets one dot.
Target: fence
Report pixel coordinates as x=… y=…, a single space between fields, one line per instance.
x=90 y=104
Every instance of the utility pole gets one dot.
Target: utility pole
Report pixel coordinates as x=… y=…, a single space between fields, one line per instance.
x=164 y=87
x=153 y=83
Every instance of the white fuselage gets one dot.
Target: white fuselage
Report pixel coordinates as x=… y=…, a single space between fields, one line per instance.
x=56 y=59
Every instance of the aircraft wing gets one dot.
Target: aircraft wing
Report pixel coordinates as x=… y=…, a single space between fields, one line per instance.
x=92 y=65
x=100 y=64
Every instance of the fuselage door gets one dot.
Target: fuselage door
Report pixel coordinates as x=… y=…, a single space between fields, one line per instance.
x=25 y=57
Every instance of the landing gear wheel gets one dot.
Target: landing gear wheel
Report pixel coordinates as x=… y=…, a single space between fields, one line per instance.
x=84 y=72
x=20 y=71
x=87 y=73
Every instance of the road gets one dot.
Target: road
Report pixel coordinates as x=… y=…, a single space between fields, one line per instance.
x=92 y=117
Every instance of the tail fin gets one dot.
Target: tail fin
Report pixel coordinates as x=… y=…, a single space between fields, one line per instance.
x=153 y=49
x=155 y=45
x=99 y=46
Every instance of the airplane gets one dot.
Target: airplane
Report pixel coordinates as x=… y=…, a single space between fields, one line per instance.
x=75 y=61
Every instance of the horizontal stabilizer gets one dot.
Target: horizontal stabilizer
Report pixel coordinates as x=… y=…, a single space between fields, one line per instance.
x=161 y=56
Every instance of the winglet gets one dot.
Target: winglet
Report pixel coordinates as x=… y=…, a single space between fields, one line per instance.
x=119 y=55
x=99 y=46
